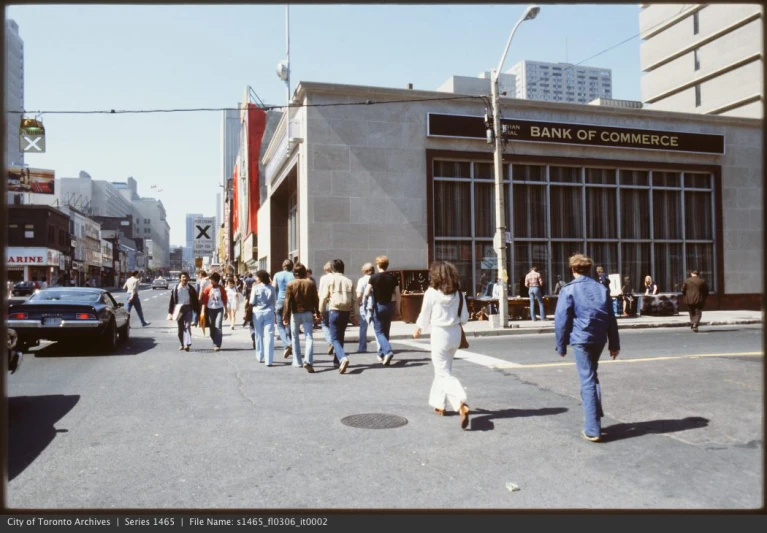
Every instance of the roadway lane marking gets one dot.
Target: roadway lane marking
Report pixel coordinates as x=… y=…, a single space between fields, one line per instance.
x=643 y=360
x=472 y=357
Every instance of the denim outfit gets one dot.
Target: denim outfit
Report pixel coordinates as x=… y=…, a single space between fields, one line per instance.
x=337 y=326
x=214 y=319
x=281 y=280
x=296 y=320
x=135 y=302
x=585 y=320
x=535 y=294
x=382 y=315
x=262 y=299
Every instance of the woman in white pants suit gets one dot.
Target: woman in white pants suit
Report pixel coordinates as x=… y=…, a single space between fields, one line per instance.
x=440 y=312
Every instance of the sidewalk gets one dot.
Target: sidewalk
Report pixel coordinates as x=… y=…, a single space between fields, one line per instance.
x=481 y=328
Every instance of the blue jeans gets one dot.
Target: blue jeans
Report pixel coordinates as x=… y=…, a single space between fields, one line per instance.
x=135 y=302
x=382 y=316
x=364 y=314
x=535 y=294
x=214 y=318
x=337 y=325
x=281 y=329
x=587 y=361
x=307 y=319
x=263 y=323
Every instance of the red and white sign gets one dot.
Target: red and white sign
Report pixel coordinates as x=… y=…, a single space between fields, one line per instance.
x=16 y=256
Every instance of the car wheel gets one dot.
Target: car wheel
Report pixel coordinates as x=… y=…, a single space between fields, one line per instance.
x=109 y=337
x=125 y=332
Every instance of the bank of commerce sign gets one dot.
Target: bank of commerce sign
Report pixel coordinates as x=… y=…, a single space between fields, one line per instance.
x=473 y=127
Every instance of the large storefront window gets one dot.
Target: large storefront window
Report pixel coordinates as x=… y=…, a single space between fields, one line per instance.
x=634 y=222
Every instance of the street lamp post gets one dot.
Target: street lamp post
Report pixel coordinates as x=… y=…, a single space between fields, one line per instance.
x=500 y=203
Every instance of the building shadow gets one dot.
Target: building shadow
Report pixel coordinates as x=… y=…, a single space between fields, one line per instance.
x=31 y=421
x=134 y=346
x=396 y=363
x=639 y=429
x=482 y=419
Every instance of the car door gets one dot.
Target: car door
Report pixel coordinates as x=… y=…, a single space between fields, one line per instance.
x=121 y=315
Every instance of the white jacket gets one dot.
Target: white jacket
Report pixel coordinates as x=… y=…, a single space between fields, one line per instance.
x=441 y=310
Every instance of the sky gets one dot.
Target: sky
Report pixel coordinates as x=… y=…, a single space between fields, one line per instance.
x=99 y=57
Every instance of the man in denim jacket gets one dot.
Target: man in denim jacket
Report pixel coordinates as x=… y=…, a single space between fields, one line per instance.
x=585 y=320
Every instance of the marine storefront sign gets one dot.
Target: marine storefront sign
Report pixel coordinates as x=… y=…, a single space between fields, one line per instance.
x=473 y=127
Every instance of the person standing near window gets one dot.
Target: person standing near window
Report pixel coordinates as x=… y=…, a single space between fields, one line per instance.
x=214 y=300
x=534 y=282
x=627 y=293
x=695 y=291
x=650 y=287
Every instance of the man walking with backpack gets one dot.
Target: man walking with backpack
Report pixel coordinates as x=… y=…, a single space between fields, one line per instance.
x=341 y=302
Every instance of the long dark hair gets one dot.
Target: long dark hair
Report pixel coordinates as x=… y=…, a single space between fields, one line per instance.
x=444 y=277
x=264 y=277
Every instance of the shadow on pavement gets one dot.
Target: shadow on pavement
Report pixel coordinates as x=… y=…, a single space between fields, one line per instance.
x=134 y=346
x=30 y=427
x=483 y=422
x=396 y=363
x=638 y=429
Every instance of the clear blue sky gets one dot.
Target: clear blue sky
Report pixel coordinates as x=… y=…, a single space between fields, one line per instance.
x=83 y=57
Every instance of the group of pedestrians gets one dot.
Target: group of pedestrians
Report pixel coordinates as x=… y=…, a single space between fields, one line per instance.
x=584 y=319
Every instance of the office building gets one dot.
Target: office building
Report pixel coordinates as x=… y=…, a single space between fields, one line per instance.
x=480 y=85
x=561 y=82
x=642 y=192
x=14 y=92
x=703 y=58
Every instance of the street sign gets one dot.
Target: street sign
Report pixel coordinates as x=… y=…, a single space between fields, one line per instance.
x=204 y=242
x=31 y=136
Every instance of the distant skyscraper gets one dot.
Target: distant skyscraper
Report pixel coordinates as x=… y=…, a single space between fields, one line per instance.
x=703 y=58
x=561 y=82
x=14 y=91
x=190 y=228
x=230 y=142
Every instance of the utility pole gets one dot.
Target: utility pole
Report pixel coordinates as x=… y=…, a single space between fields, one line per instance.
x=500 y=203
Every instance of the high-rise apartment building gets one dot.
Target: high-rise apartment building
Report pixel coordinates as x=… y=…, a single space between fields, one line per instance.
x=561 y=82
x=230 y=142
x=14 y=91
x=703 y=58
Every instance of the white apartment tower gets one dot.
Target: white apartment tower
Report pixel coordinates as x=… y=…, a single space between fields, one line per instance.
x=14 y=91
x=703 y=58
x=561 y=82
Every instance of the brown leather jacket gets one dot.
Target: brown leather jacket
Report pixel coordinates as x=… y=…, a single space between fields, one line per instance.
x=300 y=297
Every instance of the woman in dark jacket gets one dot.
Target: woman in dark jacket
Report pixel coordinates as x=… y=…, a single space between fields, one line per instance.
x=627 y=292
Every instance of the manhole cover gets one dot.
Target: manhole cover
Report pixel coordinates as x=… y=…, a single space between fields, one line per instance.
x=374 y=421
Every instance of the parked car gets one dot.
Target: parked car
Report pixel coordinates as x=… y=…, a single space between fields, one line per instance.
x=160 y=283
x=69 y=313
x=23 y=288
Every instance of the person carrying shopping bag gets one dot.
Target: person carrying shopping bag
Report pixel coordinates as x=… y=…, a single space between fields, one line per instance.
x=444 y=310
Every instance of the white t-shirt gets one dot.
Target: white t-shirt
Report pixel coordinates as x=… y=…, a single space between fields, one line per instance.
x=232 y=298
x=132 y=286
x=214 y=298
x=362 y=284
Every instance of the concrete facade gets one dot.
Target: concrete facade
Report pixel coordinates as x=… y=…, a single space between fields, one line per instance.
x=703 y=58
x=480 y=85
x=361 y=174
x=14 y=91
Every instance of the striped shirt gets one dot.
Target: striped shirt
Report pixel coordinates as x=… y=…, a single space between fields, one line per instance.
x=533 y=279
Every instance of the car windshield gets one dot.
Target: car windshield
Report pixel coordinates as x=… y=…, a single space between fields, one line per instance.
x=65 y=296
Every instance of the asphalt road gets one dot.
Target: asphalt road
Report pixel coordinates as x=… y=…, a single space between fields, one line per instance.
x=153 y=427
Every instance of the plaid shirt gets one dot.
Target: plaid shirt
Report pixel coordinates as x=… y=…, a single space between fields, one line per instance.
x=533 y=279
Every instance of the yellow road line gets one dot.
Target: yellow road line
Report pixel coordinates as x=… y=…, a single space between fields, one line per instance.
x=643 y=360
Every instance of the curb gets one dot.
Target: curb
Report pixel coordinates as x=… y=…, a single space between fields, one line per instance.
x=515 y=329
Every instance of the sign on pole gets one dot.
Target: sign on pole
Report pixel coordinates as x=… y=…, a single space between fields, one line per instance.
x=203 y=236
x=31 y=136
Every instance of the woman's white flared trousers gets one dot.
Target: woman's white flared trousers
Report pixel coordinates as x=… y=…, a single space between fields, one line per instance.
x=446 y=387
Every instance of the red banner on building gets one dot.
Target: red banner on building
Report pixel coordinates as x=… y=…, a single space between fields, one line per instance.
x=235 y=203
x=256 y=126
